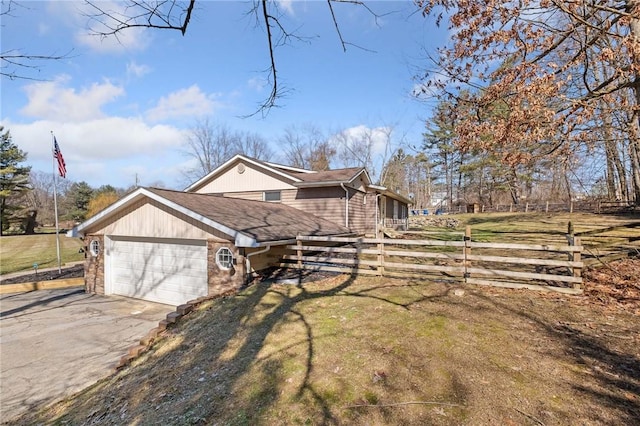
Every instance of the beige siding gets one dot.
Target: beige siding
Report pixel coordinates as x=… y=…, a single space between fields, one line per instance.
x=359 y=184
x=370 y=214
x=327 y=203
x=251 y=179
x=357 y=212
x=148 y=218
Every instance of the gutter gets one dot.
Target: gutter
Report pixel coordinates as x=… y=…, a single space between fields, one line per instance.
x=346 y=205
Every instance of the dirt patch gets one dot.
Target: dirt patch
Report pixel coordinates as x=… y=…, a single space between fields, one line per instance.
x=614 y=285
x=76 y=271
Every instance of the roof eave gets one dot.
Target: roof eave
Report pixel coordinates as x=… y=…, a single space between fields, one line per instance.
x=237 y=157
x=240 y=239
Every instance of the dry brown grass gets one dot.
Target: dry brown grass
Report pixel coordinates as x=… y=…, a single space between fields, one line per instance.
x=378 y=351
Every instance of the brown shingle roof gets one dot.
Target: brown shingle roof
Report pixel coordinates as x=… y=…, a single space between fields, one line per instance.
x=338 y=175
x=260 y=220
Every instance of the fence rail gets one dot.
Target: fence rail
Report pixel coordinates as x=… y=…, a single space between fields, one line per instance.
x=556 y=267
x=597 y=206
x=608 y=243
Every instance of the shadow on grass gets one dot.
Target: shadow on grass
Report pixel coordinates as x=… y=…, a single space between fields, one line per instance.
x=212 y=369
x=612 y=371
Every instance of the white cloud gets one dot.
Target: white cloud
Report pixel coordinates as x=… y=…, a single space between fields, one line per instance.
x=53 y=100
x=185 y=102
x=131 y=39
x=287 y=5
x=379 y=137
x=136 y=70
x=95 y=140
x=77 y=16
x=257 y=83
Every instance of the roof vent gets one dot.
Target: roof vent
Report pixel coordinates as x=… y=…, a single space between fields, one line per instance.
x=240 y=168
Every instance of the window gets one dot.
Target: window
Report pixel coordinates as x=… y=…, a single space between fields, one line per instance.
x=94 y=248
x=273 y=196
x=224 y=258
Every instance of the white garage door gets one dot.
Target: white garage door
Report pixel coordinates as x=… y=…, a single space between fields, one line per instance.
x=164 y=271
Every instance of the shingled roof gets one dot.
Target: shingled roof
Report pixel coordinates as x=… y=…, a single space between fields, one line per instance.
x=261 y=220
x=329 y=176
x=256 y=221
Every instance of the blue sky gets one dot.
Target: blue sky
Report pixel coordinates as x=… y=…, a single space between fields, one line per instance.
x=124 y=109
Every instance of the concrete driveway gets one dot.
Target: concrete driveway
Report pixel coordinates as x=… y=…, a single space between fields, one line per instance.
x=54 y=343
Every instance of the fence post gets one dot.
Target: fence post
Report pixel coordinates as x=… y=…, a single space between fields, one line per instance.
x=571 y=207
x=526 y=208
x=299 y=252
x=570 y=237
x=577 y=257
x=466 y=251
x=381 y=257
x=546 y=209
x=511 y=208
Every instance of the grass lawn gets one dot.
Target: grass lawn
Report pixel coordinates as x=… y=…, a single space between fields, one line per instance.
x=20 y=252
x=532 y=227
x=372 y=351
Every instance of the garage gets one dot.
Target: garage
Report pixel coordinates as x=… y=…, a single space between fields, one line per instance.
x=172 y=247
x=170 y=271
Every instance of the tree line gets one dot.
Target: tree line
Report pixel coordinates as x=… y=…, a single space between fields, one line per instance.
x=534 y=100
x=27 y=196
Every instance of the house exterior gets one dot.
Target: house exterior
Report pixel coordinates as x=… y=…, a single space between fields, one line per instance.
x=344 y=196
x=175 y=246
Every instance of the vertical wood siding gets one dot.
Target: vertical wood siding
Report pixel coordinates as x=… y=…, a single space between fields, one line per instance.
x=251 y=179
x=148 y=218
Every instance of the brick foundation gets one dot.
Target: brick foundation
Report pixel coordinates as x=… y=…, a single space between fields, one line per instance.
x=94 y=266
x=221 y=280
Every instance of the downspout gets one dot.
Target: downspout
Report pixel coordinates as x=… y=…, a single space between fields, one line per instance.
x=247 y=261
x=377 y=209
x=346 y=206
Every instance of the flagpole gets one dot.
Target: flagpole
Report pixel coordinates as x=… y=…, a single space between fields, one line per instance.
x=55 y=202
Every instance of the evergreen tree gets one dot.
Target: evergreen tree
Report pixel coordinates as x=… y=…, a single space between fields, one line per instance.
x=77 y=201
x=14 y=181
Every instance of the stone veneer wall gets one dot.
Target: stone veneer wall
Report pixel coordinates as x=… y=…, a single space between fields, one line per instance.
x=221 y=280
x=94 y=266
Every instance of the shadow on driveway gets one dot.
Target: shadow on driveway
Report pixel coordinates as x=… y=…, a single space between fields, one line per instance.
x=54 y=343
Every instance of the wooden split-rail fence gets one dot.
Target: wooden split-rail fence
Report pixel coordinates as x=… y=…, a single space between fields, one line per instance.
x=556 y=267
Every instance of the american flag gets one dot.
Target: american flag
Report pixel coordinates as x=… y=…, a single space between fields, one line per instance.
x=57 y=154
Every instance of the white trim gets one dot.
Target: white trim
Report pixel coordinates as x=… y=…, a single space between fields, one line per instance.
x=229 y=162
x=94 y=248
x=219 y=264
x=106 y=258
x=387 y=192
x=241 y=240
x=358 y=174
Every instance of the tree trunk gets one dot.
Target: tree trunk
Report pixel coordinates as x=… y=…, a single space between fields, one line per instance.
x=30 y=226
x=633 y=7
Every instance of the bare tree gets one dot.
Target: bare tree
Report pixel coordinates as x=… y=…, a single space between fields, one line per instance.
x=253 y=145
x=545 y=66
x=209 y=145
x=367 y=147
x=176 y=15
x=306 y=147
x=14 y=63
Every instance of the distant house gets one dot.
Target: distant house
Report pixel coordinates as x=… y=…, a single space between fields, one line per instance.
x=175 y=246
